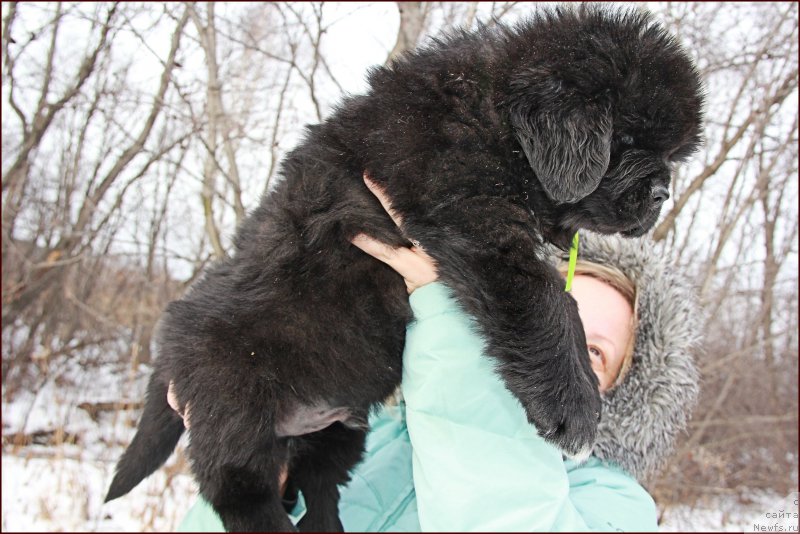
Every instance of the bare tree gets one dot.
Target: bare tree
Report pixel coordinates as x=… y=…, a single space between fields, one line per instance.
x=216 y=121
x=733 y=225
x=35 y=125
x=412 y=23
x=78 y=159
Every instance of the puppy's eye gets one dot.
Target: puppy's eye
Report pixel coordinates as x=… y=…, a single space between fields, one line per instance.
x=626 y=139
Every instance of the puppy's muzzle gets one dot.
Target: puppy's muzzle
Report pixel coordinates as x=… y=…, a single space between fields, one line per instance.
x=660 y=194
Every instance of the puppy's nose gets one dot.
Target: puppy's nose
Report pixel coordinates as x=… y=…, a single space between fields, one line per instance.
x=660 y=194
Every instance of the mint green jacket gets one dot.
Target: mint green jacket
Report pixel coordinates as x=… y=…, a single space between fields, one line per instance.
x=459 y=454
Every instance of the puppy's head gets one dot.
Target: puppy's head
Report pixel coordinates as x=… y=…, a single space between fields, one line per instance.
x=603 y=104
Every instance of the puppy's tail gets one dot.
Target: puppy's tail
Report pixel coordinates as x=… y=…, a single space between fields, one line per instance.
x=159 y=431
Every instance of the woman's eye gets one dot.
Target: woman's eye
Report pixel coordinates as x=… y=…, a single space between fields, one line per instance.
x=595 y=351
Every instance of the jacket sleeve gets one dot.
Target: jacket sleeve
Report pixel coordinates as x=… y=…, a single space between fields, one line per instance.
x=478 y=464
x=609 y=499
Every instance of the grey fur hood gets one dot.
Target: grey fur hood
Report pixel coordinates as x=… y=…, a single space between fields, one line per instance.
x=644 y=414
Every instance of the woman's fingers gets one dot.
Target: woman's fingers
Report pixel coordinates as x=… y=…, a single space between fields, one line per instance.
x=413 y=264
x=396 y=258
x=384 y=200
x=172 y=400
x=283 y=479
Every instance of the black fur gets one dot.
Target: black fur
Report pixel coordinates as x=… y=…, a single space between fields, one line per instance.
x=489 y=144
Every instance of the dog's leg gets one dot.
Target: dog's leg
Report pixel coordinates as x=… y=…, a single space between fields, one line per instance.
x=491 y=255
x=248 y=502
x=235 y=454
x=323 y=462
x=245 y=494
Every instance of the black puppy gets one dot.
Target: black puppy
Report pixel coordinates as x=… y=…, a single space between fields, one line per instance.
x=489 y=144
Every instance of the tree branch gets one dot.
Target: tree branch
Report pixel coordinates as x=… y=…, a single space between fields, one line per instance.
x=788 y=85
x=42 y=120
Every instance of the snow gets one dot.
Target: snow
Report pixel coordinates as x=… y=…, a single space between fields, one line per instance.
x=61 y=493
x=61 y=487
x=728 y=514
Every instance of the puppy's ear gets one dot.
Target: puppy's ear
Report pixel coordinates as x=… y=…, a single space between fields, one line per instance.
x=568 y=145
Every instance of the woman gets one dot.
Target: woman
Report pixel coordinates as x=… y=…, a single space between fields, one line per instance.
x=457 y=453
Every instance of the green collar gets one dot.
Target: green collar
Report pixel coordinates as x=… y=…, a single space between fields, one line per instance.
x=573 y=258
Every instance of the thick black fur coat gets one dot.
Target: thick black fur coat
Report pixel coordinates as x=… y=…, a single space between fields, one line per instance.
x=489 y=144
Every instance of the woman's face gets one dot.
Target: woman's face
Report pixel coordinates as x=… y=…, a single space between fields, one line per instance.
x=606 y=317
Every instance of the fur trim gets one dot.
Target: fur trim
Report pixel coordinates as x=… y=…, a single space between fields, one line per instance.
x=642 y=416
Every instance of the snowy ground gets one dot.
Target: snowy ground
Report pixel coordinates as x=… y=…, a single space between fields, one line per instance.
x=61 y=487
x=727 y=514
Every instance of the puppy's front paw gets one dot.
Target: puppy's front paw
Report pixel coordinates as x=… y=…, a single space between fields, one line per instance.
x=565 y=407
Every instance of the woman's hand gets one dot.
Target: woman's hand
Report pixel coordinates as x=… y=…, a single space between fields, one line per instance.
x=413 y=264
x=172 y=400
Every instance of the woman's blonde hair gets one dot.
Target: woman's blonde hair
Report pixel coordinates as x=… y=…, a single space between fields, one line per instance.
x=626 y=287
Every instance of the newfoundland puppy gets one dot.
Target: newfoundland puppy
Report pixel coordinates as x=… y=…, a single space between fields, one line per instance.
x=489 y=144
